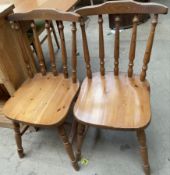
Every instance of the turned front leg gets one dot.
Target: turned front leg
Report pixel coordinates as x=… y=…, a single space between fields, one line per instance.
x=18 y=139
x=68 y=147
x=80 y=137
x=143 y=149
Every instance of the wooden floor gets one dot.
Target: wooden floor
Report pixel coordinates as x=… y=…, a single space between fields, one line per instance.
x=114 y=102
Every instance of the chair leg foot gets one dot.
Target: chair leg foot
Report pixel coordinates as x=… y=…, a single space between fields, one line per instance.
x=80 y=137
x=143 y=149
x=68 y=147
x=18 y=139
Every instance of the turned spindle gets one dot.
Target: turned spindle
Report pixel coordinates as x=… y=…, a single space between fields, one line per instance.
x=101 y=45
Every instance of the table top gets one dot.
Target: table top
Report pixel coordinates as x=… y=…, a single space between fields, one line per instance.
x=22 y=6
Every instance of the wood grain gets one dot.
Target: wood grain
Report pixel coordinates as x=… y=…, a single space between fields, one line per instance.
x=22 y=6
x=63 y=49
x=116 y=46
x=51 y=48
x=143 y=150
x=114 y=102
x=133 y=46
x=68 y=147
x=74 y=53
x=48 y=14
x=123 y=7
x=4 y=122
x=101 y=45
x=39 y=50
x=47 y=100
x=85 y=49
x=11 y=79
x=148 y=50
x=18 y=139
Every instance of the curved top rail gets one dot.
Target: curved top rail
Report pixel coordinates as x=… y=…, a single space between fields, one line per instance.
x=123 y=7
x=47 y=14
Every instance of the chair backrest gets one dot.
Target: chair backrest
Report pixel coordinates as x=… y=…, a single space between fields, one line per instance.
x=47 y=15
x=118 y=8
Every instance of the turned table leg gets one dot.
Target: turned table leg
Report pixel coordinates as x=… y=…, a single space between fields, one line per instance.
x=143 y=149
x=18 y=139
x=68 y=147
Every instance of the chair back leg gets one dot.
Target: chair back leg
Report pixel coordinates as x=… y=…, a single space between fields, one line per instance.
x=68 y=147
x=143 y=149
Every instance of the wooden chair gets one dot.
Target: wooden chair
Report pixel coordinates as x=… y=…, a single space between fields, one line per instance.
x=116 y=100
x=44 y=99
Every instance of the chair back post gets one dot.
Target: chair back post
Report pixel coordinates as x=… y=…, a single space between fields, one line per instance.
x=74 y=52
x=63 y=49
x=133 y=46
x=148 y=50
x=38 y=49
x=51 y=48
x=116 y=46
x=101 y=45
x=85 y=48
x=48 y=15
x=117 y=8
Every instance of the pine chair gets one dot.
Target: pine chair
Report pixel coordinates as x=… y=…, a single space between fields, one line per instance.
x=44 y=99
x=116 y=100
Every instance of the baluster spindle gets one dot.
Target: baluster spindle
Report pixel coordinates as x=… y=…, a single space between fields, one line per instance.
x=38 y=49
x=149 y=48
x=22 y=44
x=54 y=33
x=74 y=50
x=63 y=49
x=101 y=45
x=133 y=46
x=86 y=49
x=51 y=48
x=116 y=46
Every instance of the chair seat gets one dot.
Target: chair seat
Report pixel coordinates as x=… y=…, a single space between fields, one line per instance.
x=42 y=100
x=114 y=102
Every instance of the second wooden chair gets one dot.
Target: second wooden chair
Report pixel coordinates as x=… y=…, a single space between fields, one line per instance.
x=117 y=100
